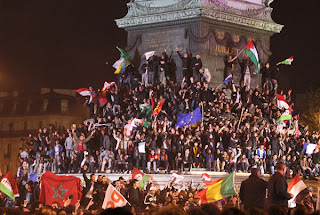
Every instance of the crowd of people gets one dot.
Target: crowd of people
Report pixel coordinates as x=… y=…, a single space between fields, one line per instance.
x=238 y=131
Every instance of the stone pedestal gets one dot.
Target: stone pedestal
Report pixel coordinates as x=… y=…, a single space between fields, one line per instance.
x=211 y=28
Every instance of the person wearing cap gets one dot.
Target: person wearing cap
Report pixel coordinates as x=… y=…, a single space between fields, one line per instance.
x=150 y=200
x=253 y=190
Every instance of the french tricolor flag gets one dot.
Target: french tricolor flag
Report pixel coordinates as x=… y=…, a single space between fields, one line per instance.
x=228 y=79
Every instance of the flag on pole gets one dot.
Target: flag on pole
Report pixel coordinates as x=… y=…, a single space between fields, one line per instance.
x=184 y=119
x=285 y=116
x=85 y=92
x=252 y=53
x=157 y=110
x=228 y=79
x=113 y=198
x=137 y=174
x=118 y=63
x=281 y=102
x=9 y=186
x=149 y=54
x=286 y=61
x=296 y=127
x=216 y=190
x=124 y=54
x=58 y=188
x=107 y=86
x=122 y=68
x=298 y=188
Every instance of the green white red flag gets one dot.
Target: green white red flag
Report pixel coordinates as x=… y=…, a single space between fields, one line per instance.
x=9 y=186
x=252 y=53
x=286 y=61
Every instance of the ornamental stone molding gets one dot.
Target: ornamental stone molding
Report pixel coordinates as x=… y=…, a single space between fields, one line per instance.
x=250 y=13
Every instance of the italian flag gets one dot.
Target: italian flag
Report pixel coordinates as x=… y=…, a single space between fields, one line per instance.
x=286 y=61
x=285 y=116
x=217 y=190
x=298 y=188
x=252 y=53
x=9 y=186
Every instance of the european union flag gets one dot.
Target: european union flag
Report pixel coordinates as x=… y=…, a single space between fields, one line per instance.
x=184 y=119
x=33 y=177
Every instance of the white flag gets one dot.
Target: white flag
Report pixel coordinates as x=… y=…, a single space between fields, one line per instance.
x=177 y=177
x=113 y=198
x=117 y=64
x=149 y=54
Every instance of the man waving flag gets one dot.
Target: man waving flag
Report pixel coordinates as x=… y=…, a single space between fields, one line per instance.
x=252 y=53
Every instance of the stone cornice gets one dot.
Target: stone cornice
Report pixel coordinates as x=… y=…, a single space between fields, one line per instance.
x=180 y=16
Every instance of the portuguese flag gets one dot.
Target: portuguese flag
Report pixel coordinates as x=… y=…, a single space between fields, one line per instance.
x=252 y=53
x=217 y=190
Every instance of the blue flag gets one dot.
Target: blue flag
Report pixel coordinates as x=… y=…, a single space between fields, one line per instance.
x=184 y=119
x=33 y=177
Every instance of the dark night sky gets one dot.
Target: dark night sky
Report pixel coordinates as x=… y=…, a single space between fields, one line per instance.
x=65 y=43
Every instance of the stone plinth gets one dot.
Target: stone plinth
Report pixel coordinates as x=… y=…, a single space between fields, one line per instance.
x=211 y=28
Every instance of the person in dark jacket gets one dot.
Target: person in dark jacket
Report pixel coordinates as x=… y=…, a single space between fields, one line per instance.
x=185 y=61
x=277 y=187
x=135 y=196
x=253 y=190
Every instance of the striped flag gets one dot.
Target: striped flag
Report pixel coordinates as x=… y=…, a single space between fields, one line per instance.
x=286 y=61
x=252 y=53
x=107 y=86
x=298 y=188
x=9 y=186
x=85 y=92
x=281 y=102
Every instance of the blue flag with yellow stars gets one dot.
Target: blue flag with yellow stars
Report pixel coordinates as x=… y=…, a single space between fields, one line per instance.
x=184 y=119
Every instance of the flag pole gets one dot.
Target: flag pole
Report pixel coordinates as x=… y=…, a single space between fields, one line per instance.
x=237 y=55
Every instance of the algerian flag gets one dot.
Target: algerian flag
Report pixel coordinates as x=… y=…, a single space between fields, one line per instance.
x=145 y=108
x=281 y=102
x=285 y=116
x=252 y=53
x=9 y=186
x=286 y=61
x=140 y=122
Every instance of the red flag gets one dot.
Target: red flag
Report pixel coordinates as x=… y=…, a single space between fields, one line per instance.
x=158 y=108
x=58 y=188
x=107 y=86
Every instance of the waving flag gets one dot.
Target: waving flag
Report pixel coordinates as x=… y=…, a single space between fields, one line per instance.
x=206 y=177
x=137 y=174
x=217 y=190
x=286 y=61
x=298 y=188
x=113 y=198
x=122 y=68
x=107 y=86
x=58 y=188
x=228 y=79
x=281 y=102
x=85 y=92
x=308 y=148
x=157 y=110
x=184 y=119
x=124 y=54
x=118 y=63
x=149 y=54
x=252 y=53
x=9 y=186
x=285 y=116
x=140 y=122
x=296 y=127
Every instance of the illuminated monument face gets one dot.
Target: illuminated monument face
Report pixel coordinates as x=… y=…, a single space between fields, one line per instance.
x=213 y=28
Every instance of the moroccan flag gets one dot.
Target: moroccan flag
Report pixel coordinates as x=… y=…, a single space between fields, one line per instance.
x=298 y=188
x=281 y=102
x=85 y=92
x=286 y=61
x=137 y=174
x=124 y=54
x=58 y=188
x=216 y=190
x=252 y=53
x=157 y=110
x=113 y=198
x=9 y=186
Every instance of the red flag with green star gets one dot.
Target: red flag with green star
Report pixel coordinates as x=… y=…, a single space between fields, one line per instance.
x=58 y=188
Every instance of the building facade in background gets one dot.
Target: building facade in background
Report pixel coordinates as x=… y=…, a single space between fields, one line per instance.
x=24 y=112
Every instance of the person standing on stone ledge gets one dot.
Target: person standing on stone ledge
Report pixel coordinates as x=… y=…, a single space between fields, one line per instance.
x=196 y=65
x=185 y=61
